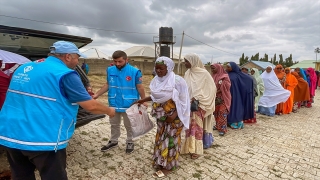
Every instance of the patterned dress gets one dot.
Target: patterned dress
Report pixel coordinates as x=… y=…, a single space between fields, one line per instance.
x=194 y=135
x=221 y=112
x=168 y=137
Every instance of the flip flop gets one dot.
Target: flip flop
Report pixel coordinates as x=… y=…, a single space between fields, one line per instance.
x=158 y=174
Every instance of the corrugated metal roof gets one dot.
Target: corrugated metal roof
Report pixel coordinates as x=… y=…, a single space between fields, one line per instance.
x=304 y=64
x=263 y=64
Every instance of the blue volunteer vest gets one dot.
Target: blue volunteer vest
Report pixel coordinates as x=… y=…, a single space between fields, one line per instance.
x=122 y=87
x=35 y=115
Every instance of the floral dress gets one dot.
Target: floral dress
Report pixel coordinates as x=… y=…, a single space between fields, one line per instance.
x=168 y=137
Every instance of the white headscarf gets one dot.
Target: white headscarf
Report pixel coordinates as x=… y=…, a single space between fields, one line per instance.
x=274 y=93
x=201 y=85
x=165 y=88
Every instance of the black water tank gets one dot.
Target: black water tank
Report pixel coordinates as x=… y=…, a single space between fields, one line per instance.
x=165 y=35
x=165 y=51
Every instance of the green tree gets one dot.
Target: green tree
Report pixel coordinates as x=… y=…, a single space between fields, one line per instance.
x=255 y=57
x=274 y=59
x=281 y=60
x=243 y=60
x=288 y=61
x=265 y=58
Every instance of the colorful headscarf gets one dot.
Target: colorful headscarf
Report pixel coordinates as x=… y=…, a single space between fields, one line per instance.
x=274 y=92
x=313 y=80
x=225 y=85
x=200 y=84
x=279 y=72
x=164 y=88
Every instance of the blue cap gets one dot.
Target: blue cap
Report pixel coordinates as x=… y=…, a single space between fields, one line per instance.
x=65 y=47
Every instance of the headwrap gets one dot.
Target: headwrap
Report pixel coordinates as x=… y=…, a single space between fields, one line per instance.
x=222 y=77
x=164 y=88
x=200 y=84
x=260 y=86
x=201 y=87
x=313 y=80
x=301 y=91
x=274 y=92
x=280 y=74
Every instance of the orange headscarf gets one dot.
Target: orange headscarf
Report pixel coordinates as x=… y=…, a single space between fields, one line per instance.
x=301 y=91
x=279 y=71
x=290 y=84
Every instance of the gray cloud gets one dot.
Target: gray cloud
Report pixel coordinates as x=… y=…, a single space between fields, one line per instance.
x=234 y=26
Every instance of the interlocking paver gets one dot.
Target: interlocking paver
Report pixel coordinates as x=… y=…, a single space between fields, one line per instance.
x=280 y=147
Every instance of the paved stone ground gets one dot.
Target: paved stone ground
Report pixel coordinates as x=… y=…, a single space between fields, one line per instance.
x=280 y=147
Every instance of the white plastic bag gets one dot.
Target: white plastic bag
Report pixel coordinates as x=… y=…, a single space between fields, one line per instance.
x=139 y=119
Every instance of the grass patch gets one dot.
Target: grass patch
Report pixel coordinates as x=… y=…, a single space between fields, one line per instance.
x=112 y=168
x=84 y=133
x=105 y=139
x=196 y=175
x=215 y=146
x=107 y=155
x=199 y=171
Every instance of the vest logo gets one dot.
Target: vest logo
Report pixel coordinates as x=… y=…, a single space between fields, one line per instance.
x=111 y=80
x=27 y=69
x=128 y=78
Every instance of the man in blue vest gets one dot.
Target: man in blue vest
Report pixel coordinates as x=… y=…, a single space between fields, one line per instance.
x=124 y=86
x=40 y=111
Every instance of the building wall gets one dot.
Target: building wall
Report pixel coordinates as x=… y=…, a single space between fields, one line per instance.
x=98 y=66
x=252 y=65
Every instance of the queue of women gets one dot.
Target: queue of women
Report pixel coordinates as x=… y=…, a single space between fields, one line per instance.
x=226 y=97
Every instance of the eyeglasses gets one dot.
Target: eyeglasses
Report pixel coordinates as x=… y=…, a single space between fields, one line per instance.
x=279 y=68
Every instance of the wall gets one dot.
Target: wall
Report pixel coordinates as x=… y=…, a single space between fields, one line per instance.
x=98 y=66
x=252 y=65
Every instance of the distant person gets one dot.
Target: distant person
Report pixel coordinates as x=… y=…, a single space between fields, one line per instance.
x=85 y=67
x=255 y=94
x=37 y=130
x=273 y=94
x=260 y=87
x=223 y=97
x=245 y=70
x=282 y=79
x=301 y=92
x=241 y=96
x=302 y=73
x=290 y=85
x=313 y=82
x=124 y=86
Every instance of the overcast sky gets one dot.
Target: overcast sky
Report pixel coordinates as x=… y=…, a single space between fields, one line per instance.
x=235 y=26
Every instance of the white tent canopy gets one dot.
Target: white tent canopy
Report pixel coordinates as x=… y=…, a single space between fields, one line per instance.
x=9 y=57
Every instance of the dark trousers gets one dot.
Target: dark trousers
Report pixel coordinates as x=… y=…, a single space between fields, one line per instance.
x=50 y=164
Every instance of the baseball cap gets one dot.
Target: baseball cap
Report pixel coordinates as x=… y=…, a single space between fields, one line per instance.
x=65 y=47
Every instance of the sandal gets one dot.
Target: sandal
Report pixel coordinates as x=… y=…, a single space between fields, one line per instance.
x=194 y=156
x=158 y=174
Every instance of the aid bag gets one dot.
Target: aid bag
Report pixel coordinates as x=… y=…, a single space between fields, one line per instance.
x=139 y=120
